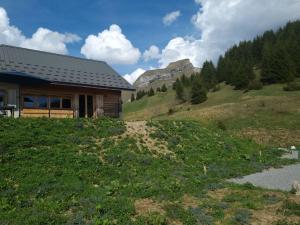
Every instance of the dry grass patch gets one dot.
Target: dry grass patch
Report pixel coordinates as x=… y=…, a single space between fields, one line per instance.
x=278 y=137
x=141 y=132
x=147 y=206
x=189 y=201
x=219 y=194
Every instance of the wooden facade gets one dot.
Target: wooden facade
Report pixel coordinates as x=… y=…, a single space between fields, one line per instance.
x=42 y=84
x=57 y=101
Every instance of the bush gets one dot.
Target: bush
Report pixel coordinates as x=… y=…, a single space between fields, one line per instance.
x=292 y=86
x=242 y=216
x=151 y=92
x=164 y=88
x=171 y=111
x=198 y=96
x=221 y=125
x=255 y=85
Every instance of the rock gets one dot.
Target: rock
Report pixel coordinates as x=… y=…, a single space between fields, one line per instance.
x=166 y=76
x=296 y=187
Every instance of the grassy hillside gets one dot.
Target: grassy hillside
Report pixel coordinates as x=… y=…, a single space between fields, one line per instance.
x=107 y=172
x=252 y=114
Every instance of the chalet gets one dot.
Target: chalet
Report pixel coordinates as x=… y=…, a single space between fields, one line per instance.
x=41 y=84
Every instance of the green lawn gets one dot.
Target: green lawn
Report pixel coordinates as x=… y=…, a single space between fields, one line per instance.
x=91 y=172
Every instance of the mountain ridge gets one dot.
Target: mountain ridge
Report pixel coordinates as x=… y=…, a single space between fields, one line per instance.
x=158 y=77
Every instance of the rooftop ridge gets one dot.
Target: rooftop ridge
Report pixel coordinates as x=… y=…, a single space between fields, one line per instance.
x=52 y=53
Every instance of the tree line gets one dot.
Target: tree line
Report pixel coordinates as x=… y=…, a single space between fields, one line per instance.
x=273 y=57
x=141 y=93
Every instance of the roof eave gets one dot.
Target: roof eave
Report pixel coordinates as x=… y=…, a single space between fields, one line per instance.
x=93 y=86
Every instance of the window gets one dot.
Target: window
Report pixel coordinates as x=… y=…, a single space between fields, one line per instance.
x=66 y=103
x=28 y=102
x=2 y=98
x=42 y=102
x=54 y=102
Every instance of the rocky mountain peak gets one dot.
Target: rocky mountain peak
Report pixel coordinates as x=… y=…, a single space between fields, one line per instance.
x=158 y=77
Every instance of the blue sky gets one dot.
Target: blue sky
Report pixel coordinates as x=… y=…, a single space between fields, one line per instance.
x=141 y=21
x=120 y=31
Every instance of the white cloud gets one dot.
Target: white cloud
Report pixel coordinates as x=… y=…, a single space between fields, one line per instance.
x=223 y=23
x=131 y=78
x=180 y=48
x=43 y=39
x=151 y=53
x=171 y=17
x=111 y=46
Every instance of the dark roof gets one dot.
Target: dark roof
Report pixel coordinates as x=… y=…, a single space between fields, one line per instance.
x=61 y=69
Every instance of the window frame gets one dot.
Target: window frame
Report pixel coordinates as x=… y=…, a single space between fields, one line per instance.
x=36 y=102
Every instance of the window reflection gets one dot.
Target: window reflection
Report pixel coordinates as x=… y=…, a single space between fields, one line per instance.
x=54 y=103
x=28 y=101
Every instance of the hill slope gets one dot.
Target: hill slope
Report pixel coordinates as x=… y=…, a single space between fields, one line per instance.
x=107 y=172
x=271 y=114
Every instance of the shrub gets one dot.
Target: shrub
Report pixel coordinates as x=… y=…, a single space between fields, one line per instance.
x=255 y=85
x=242 y=216
x=221 y=125
x=171 y=111
x=198 y=95
x=291 y=208
x=164 y=88
x=270 y=199
x=151 y=92
x=292 y=86
x=201 y=216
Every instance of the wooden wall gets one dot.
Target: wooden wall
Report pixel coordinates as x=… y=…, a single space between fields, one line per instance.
x=106 y=102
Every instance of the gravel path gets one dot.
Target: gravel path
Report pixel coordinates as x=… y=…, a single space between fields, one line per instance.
x=280 y=179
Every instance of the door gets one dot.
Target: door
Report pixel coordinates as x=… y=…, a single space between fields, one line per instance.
x=81 y=105
x=90 y=106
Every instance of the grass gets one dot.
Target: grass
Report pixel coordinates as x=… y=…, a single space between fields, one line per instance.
x=255 y=112
x=94 y=172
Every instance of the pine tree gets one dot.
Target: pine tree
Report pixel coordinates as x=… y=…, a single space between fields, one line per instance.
x=164 y=88
x=158 y=89
x=198 y=93
x=140 y=94
x=221 y=69
x=179 y=89
x=209 y=75
x=175 y=84
x=132 y=97
x=151 y=92
x=184 y=80
x=277 y=66
x=242 y=76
